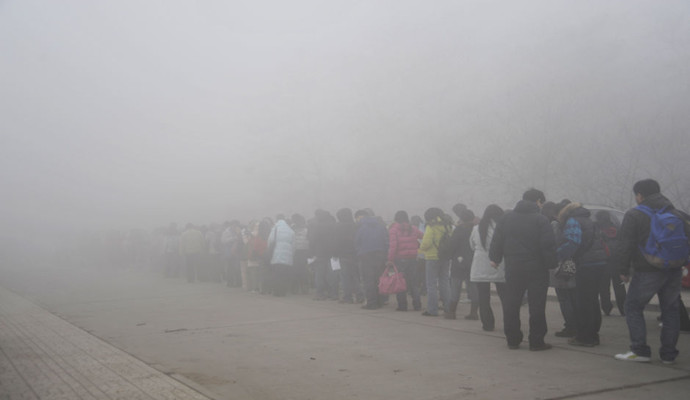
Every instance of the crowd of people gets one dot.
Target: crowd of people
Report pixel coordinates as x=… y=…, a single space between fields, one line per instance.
x=521 y=251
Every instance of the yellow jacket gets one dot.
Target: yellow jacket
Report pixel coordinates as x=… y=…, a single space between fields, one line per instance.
x=432 y=236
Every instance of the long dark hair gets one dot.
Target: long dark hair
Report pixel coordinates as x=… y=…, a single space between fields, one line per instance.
x=491 y=213
x=402 y=218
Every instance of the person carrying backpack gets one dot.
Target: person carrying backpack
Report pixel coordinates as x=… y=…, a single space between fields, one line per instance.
x=653 y=242
x=436 y=249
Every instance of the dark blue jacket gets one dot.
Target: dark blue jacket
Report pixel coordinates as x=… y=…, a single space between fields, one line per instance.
x=371 y=236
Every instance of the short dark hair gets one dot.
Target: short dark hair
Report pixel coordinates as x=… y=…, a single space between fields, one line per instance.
x=361 y=213
x=459 y=208
x=646 y=187
x=534 y=195
x=466 y=216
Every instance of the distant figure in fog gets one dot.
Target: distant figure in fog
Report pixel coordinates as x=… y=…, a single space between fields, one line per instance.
x=403 y=245
x=191 y=248
x=231 y=245
x=371 y=243
x=322 y=246
x=345 y=251
x=281 y=239
x=255 y=247
x=300 y=277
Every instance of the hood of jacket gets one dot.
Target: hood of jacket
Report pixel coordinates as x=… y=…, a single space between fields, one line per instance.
x=572 y=210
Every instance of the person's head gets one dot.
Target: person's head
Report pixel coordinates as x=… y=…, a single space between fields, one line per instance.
x=645 y=188
x=550 y=210
x=189 y=226
x=603 y=218
x=298 y=220
x=359 y=214
x=401 y=217
x=466 y=216
x=458 y=208
x=534 y=195
x=432 y=215
x=344 y=215
x=416 y=220
x=280 y=217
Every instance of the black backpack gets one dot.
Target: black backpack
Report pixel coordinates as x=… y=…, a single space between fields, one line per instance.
x=445 y=247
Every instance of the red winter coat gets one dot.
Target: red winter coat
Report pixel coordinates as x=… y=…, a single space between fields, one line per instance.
x=403 y=241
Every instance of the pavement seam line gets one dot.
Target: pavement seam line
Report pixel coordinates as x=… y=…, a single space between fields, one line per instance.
x=619 y=388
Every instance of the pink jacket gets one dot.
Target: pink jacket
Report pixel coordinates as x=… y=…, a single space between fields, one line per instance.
x=403 y=241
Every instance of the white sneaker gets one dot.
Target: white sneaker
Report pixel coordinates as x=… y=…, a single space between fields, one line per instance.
x=630 y=356
x=668 y=362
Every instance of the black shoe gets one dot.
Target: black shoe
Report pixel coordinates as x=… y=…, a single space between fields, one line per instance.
x=575 y=342
x=472 y=317
x=487 y=329
x=428 y=314
x=541 y=347
x=565 y=333
x=401 y=309
x=513 y=346
x=368 y=307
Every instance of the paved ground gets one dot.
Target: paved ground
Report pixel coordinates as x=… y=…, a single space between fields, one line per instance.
x=132 y=334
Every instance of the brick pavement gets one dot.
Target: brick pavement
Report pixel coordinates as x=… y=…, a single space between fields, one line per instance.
x=45 y=357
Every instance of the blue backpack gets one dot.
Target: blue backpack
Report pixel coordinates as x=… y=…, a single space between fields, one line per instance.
x=667 y=245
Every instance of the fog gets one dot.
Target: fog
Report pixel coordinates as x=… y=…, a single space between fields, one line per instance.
x=127 y=114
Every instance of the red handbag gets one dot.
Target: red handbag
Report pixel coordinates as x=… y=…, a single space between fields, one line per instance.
x=392 y=281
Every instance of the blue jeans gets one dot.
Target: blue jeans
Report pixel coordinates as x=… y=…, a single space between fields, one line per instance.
x=643 y=286
x=437 y=280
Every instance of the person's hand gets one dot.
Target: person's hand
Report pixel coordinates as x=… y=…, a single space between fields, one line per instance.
x=389 y=264
x=493 y=264
x=625 y=278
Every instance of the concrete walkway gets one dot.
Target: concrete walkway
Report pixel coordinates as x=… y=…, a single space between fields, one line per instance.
x=44 y=357
x=230 y=344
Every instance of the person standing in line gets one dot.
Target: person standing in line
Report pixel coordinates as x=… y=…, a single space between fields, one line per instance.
x=647 y=279
x=345 y=251
x=255 y=248
x=403 y=244
x=609 y=231
x=482 y=273
x=437 y=270
x=191 y=247
x=281 y=239
x=300 y=278
x=371 y=243
x=563 y=285
x=460 y=265
x=581 y=241
x=321 y=234
x=525 y=239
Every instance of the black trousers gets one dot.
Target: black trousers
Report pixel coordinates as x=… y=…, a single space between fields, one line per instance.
x=587 y=311
x=536 y=283
x=372 y=266
x=486 y=314
x=608 y=277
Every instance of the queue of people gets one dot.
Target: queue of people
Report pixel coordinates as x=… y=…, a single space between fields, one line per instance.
x=521 y=251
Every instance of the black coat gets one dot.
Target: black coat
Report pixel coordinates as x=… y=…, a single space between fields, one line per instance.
x=525 y=239
x=460 y=242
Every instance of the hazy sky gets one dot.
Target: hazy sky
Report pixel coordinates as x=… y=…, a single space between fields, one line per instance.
x=138 y=113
